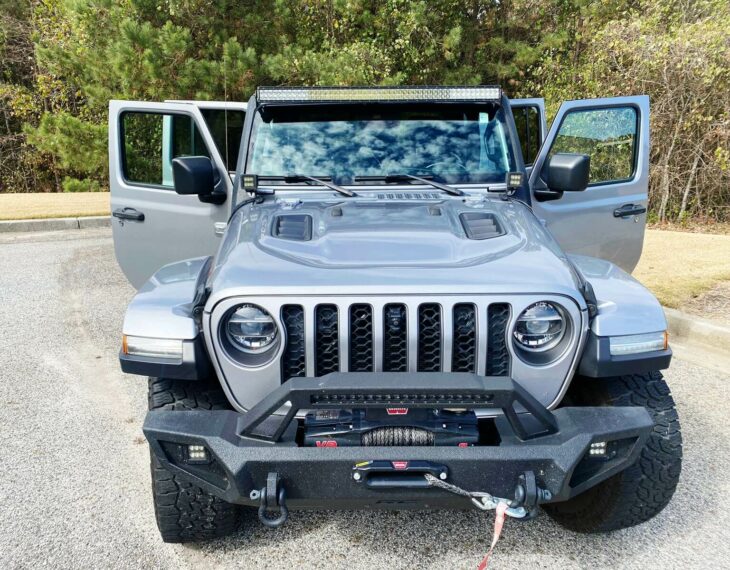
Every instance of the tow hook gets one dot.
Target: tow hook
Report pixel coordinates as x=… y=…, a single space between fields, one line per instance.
x=272 y=499
x=529 y=494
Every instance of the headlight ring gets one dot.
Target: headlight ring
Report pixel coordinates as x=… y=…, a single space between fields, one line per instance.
x=541 y=333
x=250 y=335
x=251 y=329
x=540 y=327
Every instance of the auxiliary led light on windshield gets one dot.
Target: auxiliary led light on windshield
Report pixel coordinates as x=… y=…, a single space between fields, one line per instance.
x=514 y=180
x=250 y=182
x=423 y=93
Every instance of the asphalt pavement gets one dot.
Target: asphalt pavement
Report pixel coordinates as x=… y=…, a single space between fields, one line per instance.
x=74 y=471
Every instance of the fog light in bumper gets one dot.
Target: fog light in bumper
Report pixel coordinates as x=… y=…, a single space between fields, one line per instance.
x=638 y=343
x=158 y=348
x=197 y=454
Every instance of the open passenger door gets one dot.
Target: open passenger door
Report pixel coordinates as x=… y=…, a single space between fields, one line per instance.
x=152 y=225
x=606 y=220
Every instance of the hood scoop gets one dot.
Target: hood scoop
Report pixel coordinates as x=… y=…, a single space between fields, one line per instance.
x=481 y=225
x=297 y=227
x=376 y=235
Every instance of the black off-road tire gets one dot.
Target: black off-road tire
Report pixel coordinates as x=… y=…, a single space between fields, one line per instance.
x=185 y=512
x=638 y=493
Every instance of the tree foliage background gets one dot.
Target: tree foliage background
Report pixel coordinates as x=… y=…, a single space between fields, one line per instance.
x=62 y=60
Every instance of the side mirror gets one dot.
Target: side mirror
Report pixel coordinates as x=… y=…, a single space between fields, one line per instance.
x=197 y=175
x=567 y=172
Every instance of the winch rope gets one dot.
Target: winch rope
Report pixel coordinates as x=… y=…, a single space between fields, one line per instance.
x=397 y=436
x=435 y=482
x=485 y=502
x=482 y=500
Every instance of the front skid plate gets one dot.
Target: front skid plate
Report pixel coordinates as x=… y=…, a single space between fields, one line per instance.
x=323 y=477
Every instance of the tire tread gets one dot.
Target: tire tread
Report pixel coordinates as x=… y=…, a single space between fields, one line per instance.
x=185 y=512
x=645 y=488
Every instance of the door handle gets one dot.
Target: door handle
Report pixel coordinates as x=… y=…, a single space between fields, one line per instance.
x=128 y=214
x=629 y=210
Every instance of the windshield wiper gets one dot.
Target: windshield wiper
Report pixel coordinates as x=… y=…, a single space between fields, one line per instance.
x=292 y=178
x=388 y=178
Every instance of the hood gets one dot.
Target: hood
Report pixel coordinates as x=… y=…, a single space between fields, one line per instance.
x=388 y=243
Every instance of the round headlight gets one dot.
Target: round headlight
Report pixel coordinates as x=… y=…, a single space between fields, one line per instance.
x=251 y=329
x=539 y=327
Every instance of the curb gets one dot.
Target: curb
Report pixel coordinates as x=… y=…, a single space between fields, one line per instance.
x=55 y=224
x=697 y=331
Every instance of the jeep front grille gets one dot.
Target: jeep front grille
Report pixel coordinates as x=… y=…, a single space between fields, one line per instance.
x=395 y=338
x=497 y=352
x=360 y=337
x=429 y=337
x=293 y=361
x=464 y=352
x=326 y=340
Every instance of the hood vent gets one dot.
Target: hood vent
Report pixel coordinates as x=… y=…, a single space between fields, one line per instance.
x=296 y=227
x=481 y=225
x=410 y=196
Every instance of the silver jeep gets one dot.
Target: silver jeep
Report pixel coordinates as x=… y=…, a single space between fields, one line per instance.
x=413 y=297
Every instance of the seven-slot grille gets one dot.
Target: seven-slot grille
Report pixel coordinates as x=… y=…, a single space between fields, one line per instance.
x=362 y=338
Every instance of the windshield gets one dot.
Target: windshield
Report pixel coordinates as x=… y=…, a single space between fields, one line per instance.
x=452 y=142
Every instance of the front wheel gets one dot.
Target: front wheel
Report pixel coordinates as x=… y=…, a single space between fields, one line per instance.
x=185 y=512
x=641 y=491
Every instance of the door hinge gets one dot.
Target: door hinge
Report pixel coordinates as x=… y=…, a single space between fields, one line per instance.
x=220 y=228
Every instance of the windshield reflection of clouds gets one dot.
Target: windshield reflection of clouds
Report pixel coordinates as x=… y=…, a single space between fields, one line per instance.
x=456 y=150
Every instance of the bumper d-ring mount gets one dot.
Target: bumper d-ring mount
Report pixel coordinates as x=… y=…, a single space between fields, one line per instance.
x=273 y=511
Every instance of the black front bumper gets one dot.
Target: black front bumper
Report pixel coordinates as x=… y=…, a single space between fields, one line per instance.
x=243 y=448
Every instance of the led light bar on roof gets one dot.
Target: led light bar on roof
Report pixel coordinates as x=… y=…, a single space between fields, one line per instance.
x=333 y=94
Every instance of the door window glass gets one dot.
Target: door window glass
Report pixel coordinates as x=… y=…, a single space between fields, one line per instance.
x=527 y=121
x=608 y=136
x=226 y=128
x=152 y=140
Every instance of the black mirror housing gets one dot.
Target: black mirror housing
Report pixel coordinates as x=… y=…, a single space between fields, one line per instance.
x=193 y=175
x=567 y=172
x=197 y=175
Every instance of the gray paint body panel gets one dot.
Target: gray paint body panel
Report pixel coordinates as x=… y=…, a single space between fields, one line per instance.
x=246 y=386
x=162 y=308
x=625 y=306
x=175 y=227
x=367 y=252
x=384 y=249
x=583 y=222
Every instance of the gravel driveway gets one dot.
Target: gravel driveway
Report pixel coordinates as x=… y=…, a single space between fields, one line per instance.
x=74 y=474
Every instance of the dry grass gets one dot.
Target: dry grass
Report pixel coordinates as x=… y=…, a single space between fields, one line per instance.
x=53 y=205
x=713 y=305
x=680 y=266
x=694 y=226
